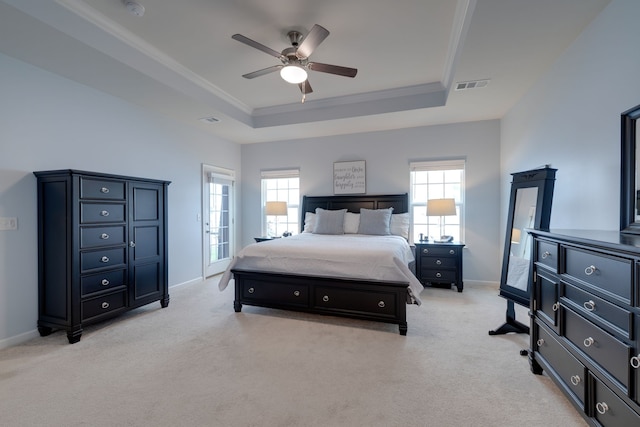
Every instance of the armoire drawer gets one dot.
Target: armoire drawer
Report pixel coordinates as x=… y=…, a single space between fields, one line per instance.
x=100 y=213
x=594 y=307
x=102 y=281
x=104 y=304
x=103 y=258
x=609 y=273
x=547 y=254
x=610 y=353
x=287 y=294
x=568 y=368
x=92 y=188
x=382 y=303
x=609 y=409
x=91 y=237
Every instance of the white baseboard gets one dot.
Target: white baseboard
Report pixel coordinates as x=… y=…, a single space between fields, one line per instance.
x=188 y=282
x=18 y=339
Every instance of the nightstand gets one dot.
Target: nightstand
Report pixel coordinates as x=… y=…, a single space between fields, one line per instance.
x=439 y=264
x=264 y=238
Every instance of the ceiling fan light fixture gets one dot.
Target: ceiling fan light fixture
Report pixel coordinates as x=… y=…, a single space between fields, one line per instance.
x=293 y=74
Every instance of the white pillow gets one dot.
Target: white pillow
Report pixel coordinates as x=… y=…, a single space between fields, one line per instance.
x=351 y=222
x=400 y=225
x=309 y=222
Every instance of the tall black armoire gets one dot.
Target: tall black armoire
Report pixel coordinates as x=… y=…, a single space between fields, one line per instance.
x=102 y=247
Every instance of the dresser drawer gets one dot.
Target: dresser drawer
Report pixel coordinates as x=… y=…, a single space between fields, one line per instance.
x=91 y=237
x=105 y=304
x=104 y=258
x=102 y=281
x=547 y=254
x=546 y=294
x=92 y=188
x=438 y=276
x=594 y=307
x=101 y=212
x=438 y=262
x=441 y=251
x=287 y=294
x=361 y=302
x=609 y=409
x=612 y=274
x=613 y=355
x=571 y=372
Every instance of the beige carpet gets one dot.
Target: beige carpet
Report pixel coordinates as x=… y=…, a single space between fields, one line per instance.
x=198 y=363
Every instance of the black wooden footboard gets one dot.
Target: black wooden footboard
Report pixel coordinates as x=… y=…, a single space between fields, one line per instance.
x=360 y=299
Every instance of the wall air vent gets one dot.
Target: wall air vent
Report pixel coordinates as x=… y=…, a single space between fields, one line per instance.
x=209 y=120
x=472 y=84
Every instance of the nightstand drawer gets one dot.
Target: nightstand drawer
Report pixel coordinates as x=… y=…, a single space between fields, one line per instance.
x=438 y=262
x=355 y=301
x=438 y=276
x=440 y=251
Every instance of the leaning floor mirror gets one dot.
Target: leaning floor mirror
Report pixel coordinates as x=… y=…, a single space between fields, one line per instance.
x=529 y=207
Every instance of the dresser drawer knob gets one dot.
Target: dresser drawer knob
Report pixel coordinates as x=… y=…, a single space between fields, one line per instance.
x=589 y=305
x=555 y=306
x=251 y=290
x=575 y=379
x=588 y=342
x=105 y=305
x=105 y=282
x=104 y=259
x=635 y=362
x=438 y=275
x=438 y=262
x=104 y=236
x=325 y=298
x=296 y=293
x=452 y=252
x=540 y=342
x=546 y=254
x=381 y=304
x=104 y=213
x=132 y=244
x=104 y=190
x=425 y=251
x=602 y=407
x=590 y=270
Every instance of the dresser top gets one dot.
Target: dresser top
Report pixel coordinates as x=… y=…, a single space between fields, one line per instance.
x=609 y=239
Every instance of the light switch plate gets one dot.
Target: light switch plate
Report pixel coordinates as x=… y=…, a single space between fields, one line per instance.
x=8 y=223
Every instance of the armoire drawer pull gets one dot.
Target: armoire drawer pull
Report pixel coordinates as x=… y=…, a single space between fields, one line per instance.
x=546 y=254
x=602 y=407
x=540 y=342
x=105 y=282
x=251 y=290
x=104 y=236
x=325 y=298
x=105 y=305
x=588 y=342
x=590 y=270
x=381 y=304
x=104 y=190
x=555 y=306
x=296 y=293
x=589 y=305
x=104 y=259
x=575 y=379
x=104 y=213
x=635 y=362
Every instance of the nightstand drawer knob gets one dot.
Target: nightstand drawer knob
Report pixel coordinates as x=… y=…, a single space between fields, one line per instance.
x=296 y=293
x=105 y=282
x=438 y=275
x=381 y=304
x=589 y=305
x=546 y=254
x=635 y=362
x=602 y=407
x=425 y=251
x=588 y=342
x=438 y=262
x=540 y=342
x=105 y=305
x=452 y=252
x=575 y=379
x=251 y=290
x=325 y=298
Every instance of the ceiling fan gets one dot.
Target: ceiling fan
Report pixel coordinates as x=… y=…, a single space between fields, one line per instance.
x=295 y=59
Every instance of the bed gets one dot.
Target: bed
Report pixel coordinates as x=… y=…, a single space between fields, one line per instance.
x=352 y=275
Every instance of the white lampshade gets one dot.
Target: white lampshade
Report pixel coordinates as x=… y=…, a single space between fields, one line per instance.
x=293 y=74
x=276 y=208
x=516 y=234
x=441 y=207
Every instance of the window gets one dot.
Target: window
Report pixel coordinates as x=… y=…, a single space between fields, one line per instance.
x=281 y=186
x=437 y=180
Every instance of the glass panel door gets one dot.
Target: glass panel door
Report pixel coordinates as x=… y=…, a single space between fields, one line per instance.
x=218 y=223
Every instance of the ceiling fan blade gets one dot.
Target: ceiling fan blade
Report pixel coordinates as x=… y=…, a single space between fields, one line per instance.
x=262 y=72
x=305 y=87
x=311 y=41
x=333 y=69
x=256 y=45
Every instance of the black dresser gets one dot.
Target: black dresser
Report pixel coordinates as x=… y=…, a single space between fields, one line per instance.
x=585 y=321
x=102 y=247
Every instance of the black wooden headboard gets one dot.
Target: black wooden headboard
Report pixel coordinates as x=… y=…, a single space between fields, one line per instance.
x=353 y=203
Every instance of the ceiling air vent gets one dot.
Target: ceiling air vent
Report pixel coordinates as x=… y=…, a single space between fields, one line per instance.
x=472 y=84
x=209 y=120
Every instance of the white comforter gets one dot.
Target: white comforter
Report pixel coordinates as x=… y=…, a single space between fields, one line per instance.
x=350 y=255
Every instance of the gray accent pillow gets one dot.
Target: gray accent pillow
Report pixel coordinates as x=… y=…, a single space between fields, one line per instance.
x=375 y=221
x=329 y=222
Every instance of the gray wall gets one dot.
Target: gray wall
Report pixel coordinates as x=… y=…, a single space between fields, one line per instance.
x=571 y=119
x=387 y=155
x=48 y=122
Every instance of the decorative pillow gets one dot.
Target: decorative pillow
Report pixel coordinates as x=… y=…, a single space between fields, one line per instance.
x=400 y=225
x=351 y=222
x=329 y=222
x=309 y=222
x=375 y=221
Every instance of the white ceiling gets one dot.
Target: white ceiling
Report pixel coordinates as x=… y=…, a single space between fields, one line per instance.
x=179 y=59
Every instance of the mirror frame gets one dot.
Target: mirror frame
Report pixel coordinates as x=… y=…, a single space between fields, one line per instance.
x=628 y=189
x=544 y=180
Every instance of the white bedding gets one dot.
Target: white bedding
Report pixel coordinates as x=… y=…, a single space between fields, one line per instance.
x=518 y=272
x=352 y=256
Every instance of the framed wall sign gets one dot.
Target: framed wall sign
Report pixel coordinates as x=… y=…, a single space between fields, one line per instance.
x=349 y=177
